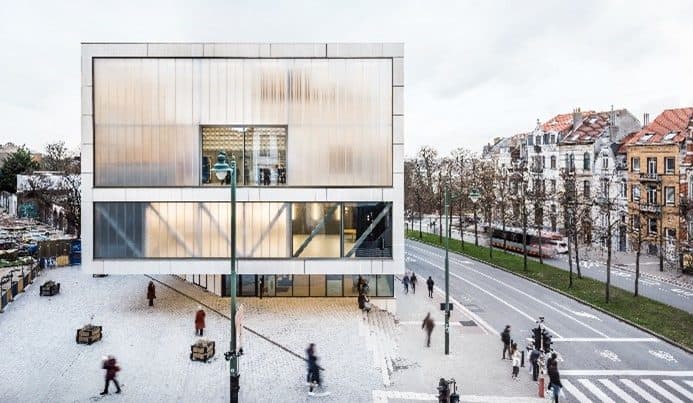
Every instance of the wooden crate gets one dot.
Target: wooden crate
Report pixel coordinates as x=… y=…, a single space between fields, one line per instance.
x=49 y=288
x=203 y=350
x=88 y=334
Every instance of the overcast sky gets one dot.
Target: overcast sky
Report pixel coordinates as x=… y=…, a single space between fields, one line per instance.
x=474 y=70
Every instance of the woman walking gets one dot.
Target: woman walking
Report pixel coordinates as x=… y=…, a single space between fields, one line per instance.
x=151 y=293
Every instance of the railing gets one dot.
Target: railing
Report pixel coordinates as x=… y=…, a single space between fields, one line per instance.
x=651 y=208
x=650 y=177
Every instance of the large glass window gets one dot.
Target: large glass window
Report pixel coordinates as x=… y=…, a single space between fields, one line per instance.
x=316 y=228
x=317 y=285
x=301 y=285
x=284 y=285
x=334 y=285
x=367 y=230
x=386 y=285
x=260 y=154
x=351 y=282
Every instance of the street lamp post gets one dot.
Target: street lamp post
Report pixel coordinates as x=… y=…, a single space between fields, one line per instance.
x=474 y=197
x=222 y=169
x=447 y=273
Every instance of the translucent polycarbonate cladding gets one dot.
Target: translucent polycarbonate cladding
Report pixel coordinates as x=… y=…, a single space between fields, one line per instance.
x=148 y=114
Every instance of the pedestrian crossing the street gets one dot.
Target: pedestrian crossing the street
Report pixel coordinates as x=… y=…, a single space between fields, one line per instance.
x=629 y=390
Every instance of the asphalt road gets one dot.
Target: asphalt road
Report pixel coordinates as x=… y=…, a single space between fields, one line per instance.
x=670 y=294
x=602 y=358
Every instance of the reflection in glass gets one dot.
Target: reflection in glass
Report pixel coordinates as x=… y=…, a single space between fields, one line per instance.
x=269 y=285
x=385 y=284
x=284 y=285
x=216 y=140
x=334 y=285
x=315 y=228
x=351 y=284
x=317 y=285
x=301 y=285
x=367 y=229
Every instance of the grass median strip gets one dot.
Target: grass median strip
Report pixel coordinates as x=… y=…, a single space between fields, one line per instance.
x=663 y=319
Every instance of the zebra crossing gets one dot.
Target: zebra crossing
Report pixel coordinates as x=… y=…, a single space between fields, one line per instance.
x=629 y=390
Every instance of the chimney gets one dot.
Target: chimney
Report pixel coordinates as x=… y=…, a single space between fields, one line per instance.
x=577 y=118
x=645 y=119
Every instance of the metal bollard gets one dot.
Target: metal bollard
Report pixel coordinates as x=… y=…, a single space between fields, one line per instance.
x=522 y=359
x=541 y=386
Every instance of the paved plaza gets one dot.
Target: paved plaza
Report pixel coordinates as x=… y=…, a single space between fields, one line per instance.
x=365 y=359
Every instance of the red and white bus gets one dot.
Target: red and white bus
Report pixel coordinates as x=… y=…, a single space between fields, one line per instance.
x=511 y=239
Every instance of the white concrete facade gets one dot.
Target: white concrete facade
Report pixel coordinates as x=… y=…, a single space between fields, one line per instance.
x=389 y=52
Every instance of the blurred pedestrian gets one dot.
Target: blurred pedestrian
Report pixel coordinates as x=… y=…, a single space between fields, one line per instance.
x=151 y=293
x=554 y=377
x=534 y=357
x=362 y=285
x=262 y=285
x=111 y=367
x=310 y=353
x=413 y=281
x=428 y=324
x=199 y=321
x=429 y=284
x=516 y=363
x=405 y=282
x=505 y=338
x=314 y=376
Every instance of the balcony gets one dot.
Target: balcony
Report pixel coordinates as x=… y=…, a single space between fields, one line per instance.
x=650 y=177
x=651 y=208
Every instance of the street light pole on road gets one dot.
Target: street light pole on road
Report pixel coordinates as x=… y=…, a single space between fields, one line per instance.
x=222 y=170
x=447 y=273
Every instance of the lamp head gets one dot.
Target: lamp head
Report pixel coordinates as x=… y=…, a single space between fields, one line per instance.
x=222 y=168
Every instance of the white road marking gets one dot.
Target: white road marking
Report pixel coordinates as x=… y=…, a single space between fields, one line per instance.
x=414 y=322
x=539 y=301
x=689 y=383
x=649 y=282
x=662 y=391
x=679 y=389
x=596 y=391
x=383 y=396
x=609 y=355
x=578 y=313
x=610 y=339
x=682 y=292
x=663 y=355
x=618 y=391
x=637 y=389
x=494 y=296
x=482 y=323
x=575 y=392
x=624 y=372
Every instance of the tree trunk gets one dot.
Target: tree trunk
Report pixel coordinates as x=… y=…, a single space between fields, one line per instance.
x=570 y=261
x=440 y=227
x=505 y=244
x=661 y=245
x=490 y=244
x=524 y=238
x=541 y=254
x=637 y=270
x=420 y=221
x=577 y=255
x=476 y=234
x=608 y=258
x=461 y=228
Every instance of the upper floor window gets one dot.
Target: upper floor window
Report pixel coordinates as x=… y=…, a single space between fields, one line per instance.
x=652 y=165
x=652 y=194
x=605 y=188
x=586 y=161
x=652 y=226
x=538 y=142
x=553 y=185
x=605 y=162
x=635 y=193
x=553 y=162
x=669 y=165
x=570 y=162
x=530 y=140
x=635 y=164
x=586 y=189
x=259 y=152
x=624 y=189
x=553 y=138
x=670 y=195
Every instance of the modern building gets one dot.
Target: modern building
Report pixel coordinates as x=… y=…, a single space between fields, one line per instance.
x=316 y=131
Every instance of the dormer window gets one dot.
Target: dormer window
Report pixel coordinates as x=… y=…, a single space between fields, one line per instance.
x=669 y=136
x=645 y=138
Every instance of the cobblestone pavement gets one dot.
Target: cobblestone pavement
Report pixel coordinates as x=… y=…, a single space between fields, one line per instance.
x=366 y=358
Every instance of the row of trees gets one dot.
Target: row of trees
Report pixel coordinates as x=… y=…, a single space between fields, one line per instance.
x=43 y=189
x=517 y=196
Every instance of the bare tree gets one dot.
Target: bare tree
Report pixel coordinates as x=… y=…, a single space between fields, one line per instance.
x=501 y=199
x=443 y=171
x=568 y=201
x=57 y=157
x=487 y=184
x=537 y=198
x=605 y=203
x=460 y=183
x=519 y=178
x=636 y=239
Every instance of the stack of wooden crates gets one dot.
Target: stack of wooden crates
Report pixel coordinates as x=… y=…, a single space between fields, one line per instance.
x=88 y=334
x=202 y=350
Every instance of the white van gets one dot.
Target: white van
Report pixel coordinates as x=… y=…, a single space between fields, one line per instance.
x=560 y=245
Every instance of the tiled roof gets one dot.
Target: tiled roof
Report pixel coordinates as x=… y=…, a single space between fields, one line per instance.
x=590 y=129
x=622 y=148
x=558 y=123
x=671 y=126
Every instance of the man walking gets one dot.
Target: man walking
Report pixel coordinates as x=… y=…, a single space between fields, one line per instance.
x=151 y=293
x=505 y=338
x=428 y=325
x=413 y=280
x=554 y=377
x=405 y=282
x=199 y=321
x=429 y=284
x=109 y=364
x=534 y=362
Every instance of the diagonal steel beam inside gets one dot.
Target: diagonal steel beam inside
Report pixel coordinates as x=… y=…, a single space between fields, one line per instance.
x=368 y=230
x=315 y=231
x=176 y=235
x=268 y=229
x=119 y=231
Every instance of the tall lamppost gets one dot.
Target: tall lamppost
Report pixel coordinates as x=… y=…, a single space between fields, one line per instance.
x=222 y=170
x=447 y=272
x=474 y=197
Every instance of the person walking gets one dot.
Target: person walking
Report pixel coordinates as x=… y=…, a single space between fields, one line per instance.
x=554 y=377
x=405 y=282
x=429 y=284
x=314 y=375
x=516 y=363
x=112 y=368
x=362 y=285
x=534 y=362
x=428 y=325
x=413 y=281
x=151 y=293
x=199 y=321
x=310 y=353
x=505 y=338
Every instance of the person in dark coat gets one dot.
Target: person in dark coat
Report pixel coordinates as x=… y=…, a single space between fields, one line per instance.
x=429 y=284
x=413 y=280
x=362 y=285
x=151 y=293
x=405 y=282
x=428 y=325
x=199 y=321
x=111 y=367
x=554 y=377
x=310 y=354
x=505 y=338
x=534 y=362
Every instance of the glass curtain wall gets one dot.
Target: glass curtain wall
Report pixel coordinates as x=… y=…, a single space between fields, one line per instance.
x=333 y=285
x=367 y=230
x=315 y=229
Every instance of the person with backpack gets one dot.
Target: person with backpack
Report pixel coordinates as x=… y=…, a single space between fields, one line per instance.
x=429 y=284
x=505 y=338
x=112 y=368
